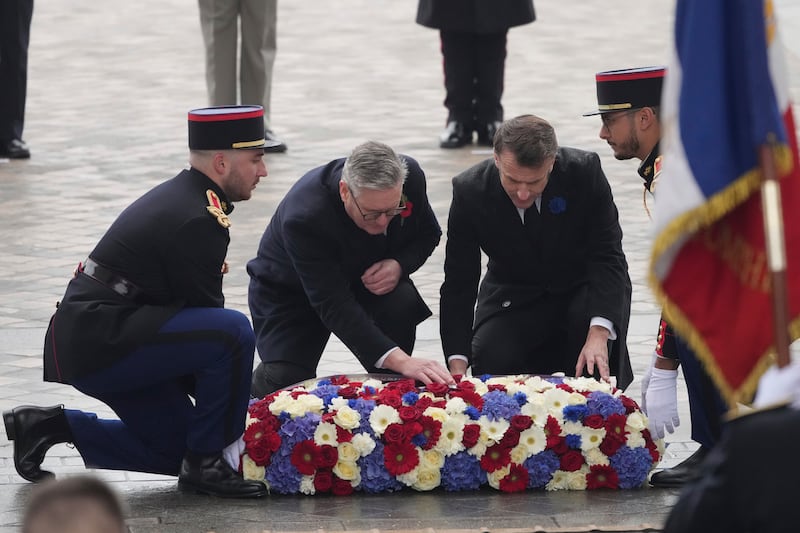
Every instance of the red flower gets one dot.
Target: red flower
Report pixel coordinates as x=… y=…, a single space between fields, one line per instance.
x=405 y=213
x=328 y=456
x=602 y=476
x=259 y=452
x=552 y=427
x=400 y=458
x=423 y=403
x=558 y=444
x=392 y=398
x=472 y=433
x=471 y=397
x=651 y=446
x=341 y=487
x=343 y=435
x=305 y=457
x=412 y=429
x=496 y=457
x=615 y=427
x=323 y=480
x=594 y=421
x=497 y=386
x=610 y=445
x=348 y=392
x=516 y=480
x=521 y=422
x=571 y=461
x=340 y=380
x=394 y=433
x=408 y=413
x=438 y=389
x=629 y=404
x=564 y=386
x=432 y=429
x=510 y=438
x=401 y=385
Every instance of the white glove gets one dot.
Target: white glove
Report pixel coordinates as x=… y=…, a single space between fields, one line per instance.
x=779 y=385
x=661 y=398
x=646 y=381
x=233 y=452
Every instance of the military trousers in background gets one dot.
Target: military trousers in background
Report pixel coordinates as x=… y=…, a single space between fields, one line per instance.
x=188 y=389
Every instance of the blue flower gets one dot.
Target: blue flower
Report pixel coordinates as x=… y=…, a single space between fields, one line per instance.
x=326 y=392
x=557 y=205
x=574 y=441
x=462 y=471
x=410 y=398
x=632 y=466
x=299 y=429
x=604 y=404
x=521 y=398
x=472 y=412
x=541 y=467
x=497 y=405
x=374 y=476
x=575 y=413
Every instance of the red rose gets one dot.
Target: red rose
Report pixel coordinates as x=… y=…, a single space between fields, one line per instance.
x=305 y=457
x=259 y=453
x=602 y=476
x=341 y=487
x=516 y=480
x=348 y=392
x=571 y=461
x=343 y=435
x=423 y=403
x=629 y=404
x=401 y=385
x=558 y=444
x=394 y=434
x=328 y=417
x=609 y=446
x=510 y=438
x=412 y=429
x=323 y=480
x=521 y=422
x=466 y=386
x=438 y=389
x=392 y=398
x=328 y=456
x=594 y=421
x=408 y=413
x=496 y=457
x=472 y=433
x=400 y=458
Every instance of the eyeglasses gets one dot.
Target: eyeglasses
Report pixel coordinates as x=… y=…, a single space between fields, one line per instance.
x=610 y=118
x=372 y=216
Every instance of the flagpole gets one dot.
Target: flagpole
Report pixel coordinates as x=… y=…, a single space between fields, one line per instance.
x=776 y=249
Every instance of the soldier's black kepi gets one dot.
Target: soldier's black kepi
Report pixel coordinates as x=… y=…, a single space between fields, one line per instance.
x=634 y=88
x=237 y=127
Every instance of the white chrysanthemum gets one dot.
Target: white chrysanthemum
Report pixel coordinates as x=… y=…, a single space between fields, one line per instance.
x=588 y=384
x=280 y=403
x=576 y=398
x=427 y=479
x=250 y=470
x=374 y=383
x=347 y=418
x=381 y=417
x=555 y=400
x=571 y=428
x=409 y=478
x=635 y=440
x=346 y=469
x=536 y=409
x=337 y=402
x=536 y=384
x=449 y=442
x=325 y=433
x=363 y=443
x=348 y=452
x=533 y=439
x=437 y=413
x=480 y=386
x=577 y=480
x=495 y=477
x=455 y=405
x=307 y=485
x=494 y=429
x=591 y=438
x=432 y=459
x=515 y=387
x=595 y=457
x=636 y=422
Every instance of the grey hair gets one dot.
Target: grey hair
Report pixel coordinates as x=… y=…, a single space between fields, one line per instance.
x=531 y=139
x=374 y=165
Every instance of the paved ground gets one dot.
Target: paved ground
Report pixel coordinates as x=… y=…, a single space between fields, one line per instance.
x=109 y=87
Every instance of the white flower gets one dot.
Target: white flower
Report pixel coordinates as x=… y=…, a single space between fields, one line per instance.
x=305 y=403
x=348 y=452
x=307 y=485
x=250 y=470
x=494 y=429
x=480 y=386
x=347 y=470
x=480 y=447
x=535 y=384
x=636 y=422
x=555 y=400
x=536 y=409
x=347 y=417
x=568 y=480
x=381 y=417
x=374 y=383
x=591 y=438
x=325 y=434
x=363 y=443
x=337 y=402
x=571 y=428
x=409 y=478
x=450 y=440
x=635 y=440
x=519 y=453
x=455 y=405
x=576 y=398
x=437 y=413
x=431 y=459
x=595 y=457
x=533 y=439
x=494 y=478
x=280 y=403
x=427 y=479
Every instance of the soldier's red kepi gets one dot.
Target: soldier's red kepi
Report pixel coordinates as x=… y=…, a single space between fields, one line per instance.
x=633 y=88
x=239 y=127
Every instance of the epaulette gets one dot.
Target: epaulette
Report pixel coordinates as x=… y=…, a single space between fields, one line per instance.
x=215 y=208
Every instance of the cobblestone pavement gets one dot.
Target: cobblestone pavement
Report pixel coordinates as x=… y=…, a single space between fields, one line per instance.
x=109 y=87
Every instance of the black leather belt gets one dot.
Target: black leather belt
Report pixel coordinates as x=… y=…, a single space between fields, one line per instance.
x=110 y=279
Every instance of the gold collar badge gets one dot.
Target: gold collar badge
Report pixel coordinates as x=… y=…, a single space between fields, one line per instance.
x=215 y=208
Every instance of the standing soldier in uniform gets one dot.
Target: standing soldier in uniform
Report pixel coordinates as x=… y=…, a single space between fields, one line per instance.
x=142 y=328
x=628 y=104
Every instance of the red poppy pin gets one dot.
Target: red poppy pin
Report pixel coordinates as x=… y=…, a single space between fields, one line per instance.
x=406 y=212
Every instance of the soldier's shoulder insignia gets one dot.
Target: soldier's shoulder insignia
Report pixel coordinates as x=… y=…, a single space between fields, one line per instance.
x=214 y=207
x=657 y=166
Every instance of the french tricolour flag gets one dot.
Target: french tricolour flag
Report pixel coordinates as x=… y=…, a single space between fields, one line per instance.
x=725 y=95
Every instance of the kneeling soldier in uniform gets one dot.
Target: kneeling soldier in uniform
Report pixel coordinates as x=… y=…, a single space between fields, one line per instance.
x=142 y=328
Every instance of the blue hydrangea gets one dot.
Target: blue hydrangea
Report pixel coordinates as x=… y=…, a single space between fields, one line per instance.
x=281 y=474
x=604 y=404
x=326 y=392
x=497 y=405
x=410 y=398
x=540 y=468
x=462 y=471
x=364 y=408
x=573 y=441
x=575 y=413
x=632 y=466
x=299 y=429
x=374 y=476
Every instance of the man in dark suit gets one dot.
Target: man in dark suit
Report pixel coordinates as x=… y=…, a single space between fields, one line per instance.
x=473 y=34
x=556 y=295
x=336 y=257
x=143 y=329
x=748 y=482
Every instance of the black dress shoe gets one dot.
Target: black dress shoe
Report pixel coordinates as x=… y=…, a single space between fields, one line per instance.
x=273 y=144
x=15 y=149
x=683 y=473
x=486 y=133
x=34 y=430
x=455 y=135
x=213 y=475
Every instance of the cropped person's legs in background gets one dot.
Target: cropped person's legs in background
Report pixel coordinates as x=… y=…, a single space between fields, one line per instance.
x=15 y=30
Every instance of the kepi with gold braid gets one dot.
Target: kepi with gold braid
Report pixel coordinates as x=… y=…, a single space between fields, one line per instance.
x=632 y=88
x=237 y=127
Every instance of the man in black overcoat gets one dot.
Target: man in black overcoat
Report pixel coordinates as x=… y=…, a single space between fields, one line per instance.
x=556 y=294
x=336 y=258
